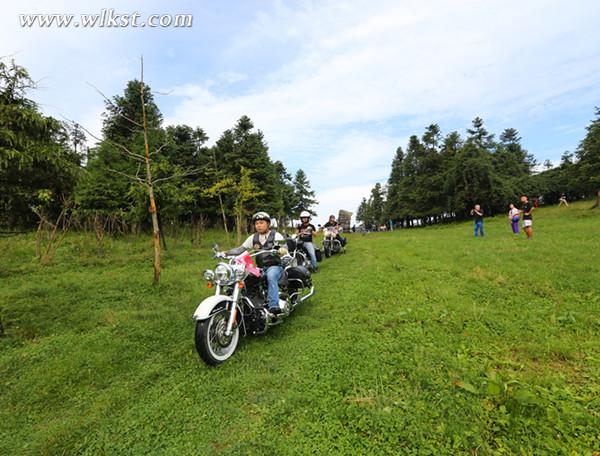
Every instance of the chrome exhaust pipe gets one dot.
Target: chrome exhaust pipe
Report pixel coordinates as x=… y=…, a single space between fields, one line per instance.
x=310 y=293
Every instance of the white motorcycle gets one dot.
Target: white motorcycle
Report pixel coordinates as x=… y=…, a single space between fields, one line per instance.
x=239 y=302
x=331 y=243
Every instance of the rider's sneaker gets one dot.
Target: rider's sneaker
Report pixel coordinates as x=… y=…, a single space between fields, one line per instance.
x=274 y=310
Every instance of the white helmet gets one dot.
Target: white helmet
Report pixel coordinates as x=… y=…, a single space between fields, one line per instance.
x=305 y=214
x=261 y=216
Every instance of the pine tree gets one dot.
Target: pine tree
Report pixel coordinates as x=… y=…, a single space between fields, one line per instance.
x=394 y=195
x=244 y=147
x=588 y=166
x=304 y=197
x=362 y=211
x=286 y=193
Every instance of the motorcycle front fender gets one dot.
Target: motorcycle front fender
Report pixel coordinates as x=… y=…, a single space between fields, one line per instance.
x=206 y=307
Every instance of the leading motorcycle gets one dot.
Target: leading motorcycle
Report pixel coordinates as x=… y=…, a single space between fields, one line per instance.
x=239 y=304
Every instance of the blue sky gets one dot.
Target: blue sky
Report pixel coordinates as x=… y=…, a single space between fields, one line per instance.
x=335 y=86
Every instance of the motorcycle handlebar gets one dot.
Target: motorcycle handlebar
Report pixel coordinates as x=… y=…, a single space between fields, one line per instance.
x=230 y=257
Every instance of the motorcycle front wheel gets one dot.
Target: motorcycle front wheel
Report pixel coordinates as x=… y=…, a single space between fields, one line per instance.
x=213 y=346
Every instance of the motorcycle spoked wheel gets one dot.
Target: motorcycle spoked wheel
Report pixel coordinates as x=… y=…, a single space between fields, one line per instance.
x=327 y=249
x=213 y=346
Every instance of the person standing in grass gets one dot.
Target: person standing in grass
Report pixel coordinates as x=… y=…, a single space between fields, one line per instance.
x=527 y=210
x=514 y=217
x=563 y=200
x=477 y=214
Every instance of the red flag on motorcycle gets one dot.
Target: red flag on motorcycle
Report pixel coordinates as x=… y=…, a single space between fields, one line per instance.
x=246 y=260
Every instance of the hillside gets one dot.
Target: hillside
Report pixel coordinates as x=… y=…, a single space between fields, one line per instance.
x=422 y=341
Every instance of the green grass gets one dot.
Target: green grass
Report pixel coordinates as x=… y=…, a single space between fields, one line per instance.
x=424 y=341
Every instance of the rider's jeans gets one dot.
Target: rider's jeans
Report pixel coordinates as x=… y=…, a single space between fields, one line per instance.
x=273 y=275
x=310 y=249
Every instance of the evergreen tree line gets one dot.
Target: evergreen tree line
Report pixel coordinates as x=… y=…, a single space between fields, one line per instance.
x=45 y=168
x=438 y=178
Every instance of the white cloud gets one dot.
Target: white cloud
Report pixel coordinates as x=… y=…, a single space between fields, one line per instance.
x=231 y=77
x=345 y=81
x=362 y=63
x=346 y=197
x=367 y=66
x=355 y=158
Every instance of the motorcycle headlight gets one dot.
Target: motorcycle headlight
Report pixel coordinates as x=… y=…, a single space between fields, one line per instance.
x=209 y=275
x=223 y=273
x=239 y=273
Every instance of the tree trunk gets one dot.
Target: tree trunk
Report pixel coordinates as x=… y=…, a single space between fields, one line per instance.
x=597 y=200
x=221 y=198
x=223 y=213
x=163 y=238
x=155 y=228
x=238 y=227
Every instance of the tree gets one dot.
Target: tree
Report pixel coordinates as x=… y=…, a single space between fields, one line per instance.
x=394 y=195
x=588 y=166
x=286 y=193
x=362 y=211
x=376 y=205
x=108 y=188
x=304 y=197
x=35 y=152
x=243 y=147
x=245 y=191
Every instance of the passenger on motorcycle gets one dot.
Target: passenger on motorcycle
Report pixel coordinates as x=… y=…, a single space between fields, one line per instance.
x=305 y=234
x=332 y=223
x=266 y=239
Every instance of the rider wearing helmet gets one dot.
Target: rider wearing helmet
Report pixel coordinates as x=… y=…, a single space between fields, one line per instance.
x=266 y=239
x=305 y=234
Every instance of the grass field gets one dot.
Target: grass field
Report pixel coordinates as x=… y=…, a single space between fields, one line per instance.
x=424 y=341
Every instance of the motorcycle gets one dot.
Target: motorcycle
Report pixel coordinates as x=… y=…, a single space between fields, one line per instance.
x=239 y=303
x=331 y=243
x=298 y=251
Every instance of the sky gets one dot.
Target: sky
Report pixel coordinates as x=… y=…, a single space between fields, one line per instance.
x=334 y=86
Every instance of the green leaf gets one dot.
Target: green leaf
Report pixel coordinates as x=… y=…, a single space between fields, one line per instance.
x=466 y=386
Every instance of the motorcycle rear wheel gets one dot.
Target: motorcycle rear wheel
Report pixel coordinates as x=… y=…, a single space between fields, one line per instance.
x=213 y=346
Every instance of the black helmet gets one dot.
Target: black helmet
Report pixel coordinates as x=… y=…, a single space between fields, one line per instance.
x=261 y=216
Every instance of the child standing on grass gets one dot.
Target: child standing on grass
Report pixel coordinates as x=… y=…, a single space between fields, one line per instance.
x=514 y=217
x=527 y=210
x=477 y=214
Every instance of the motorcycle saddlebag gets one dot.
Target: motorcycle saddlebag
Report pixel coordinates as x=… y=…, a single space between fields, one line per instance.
x=318 y=254
x=299 y=272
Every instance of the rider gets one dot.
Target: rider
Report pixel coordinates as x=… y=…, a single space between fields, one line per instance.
x=332 y=223
x=305 y=233
x=266 y=239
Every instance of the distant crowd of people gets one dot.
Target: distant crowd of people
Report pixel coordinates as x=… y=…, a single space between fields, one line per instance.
x=515 y=215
